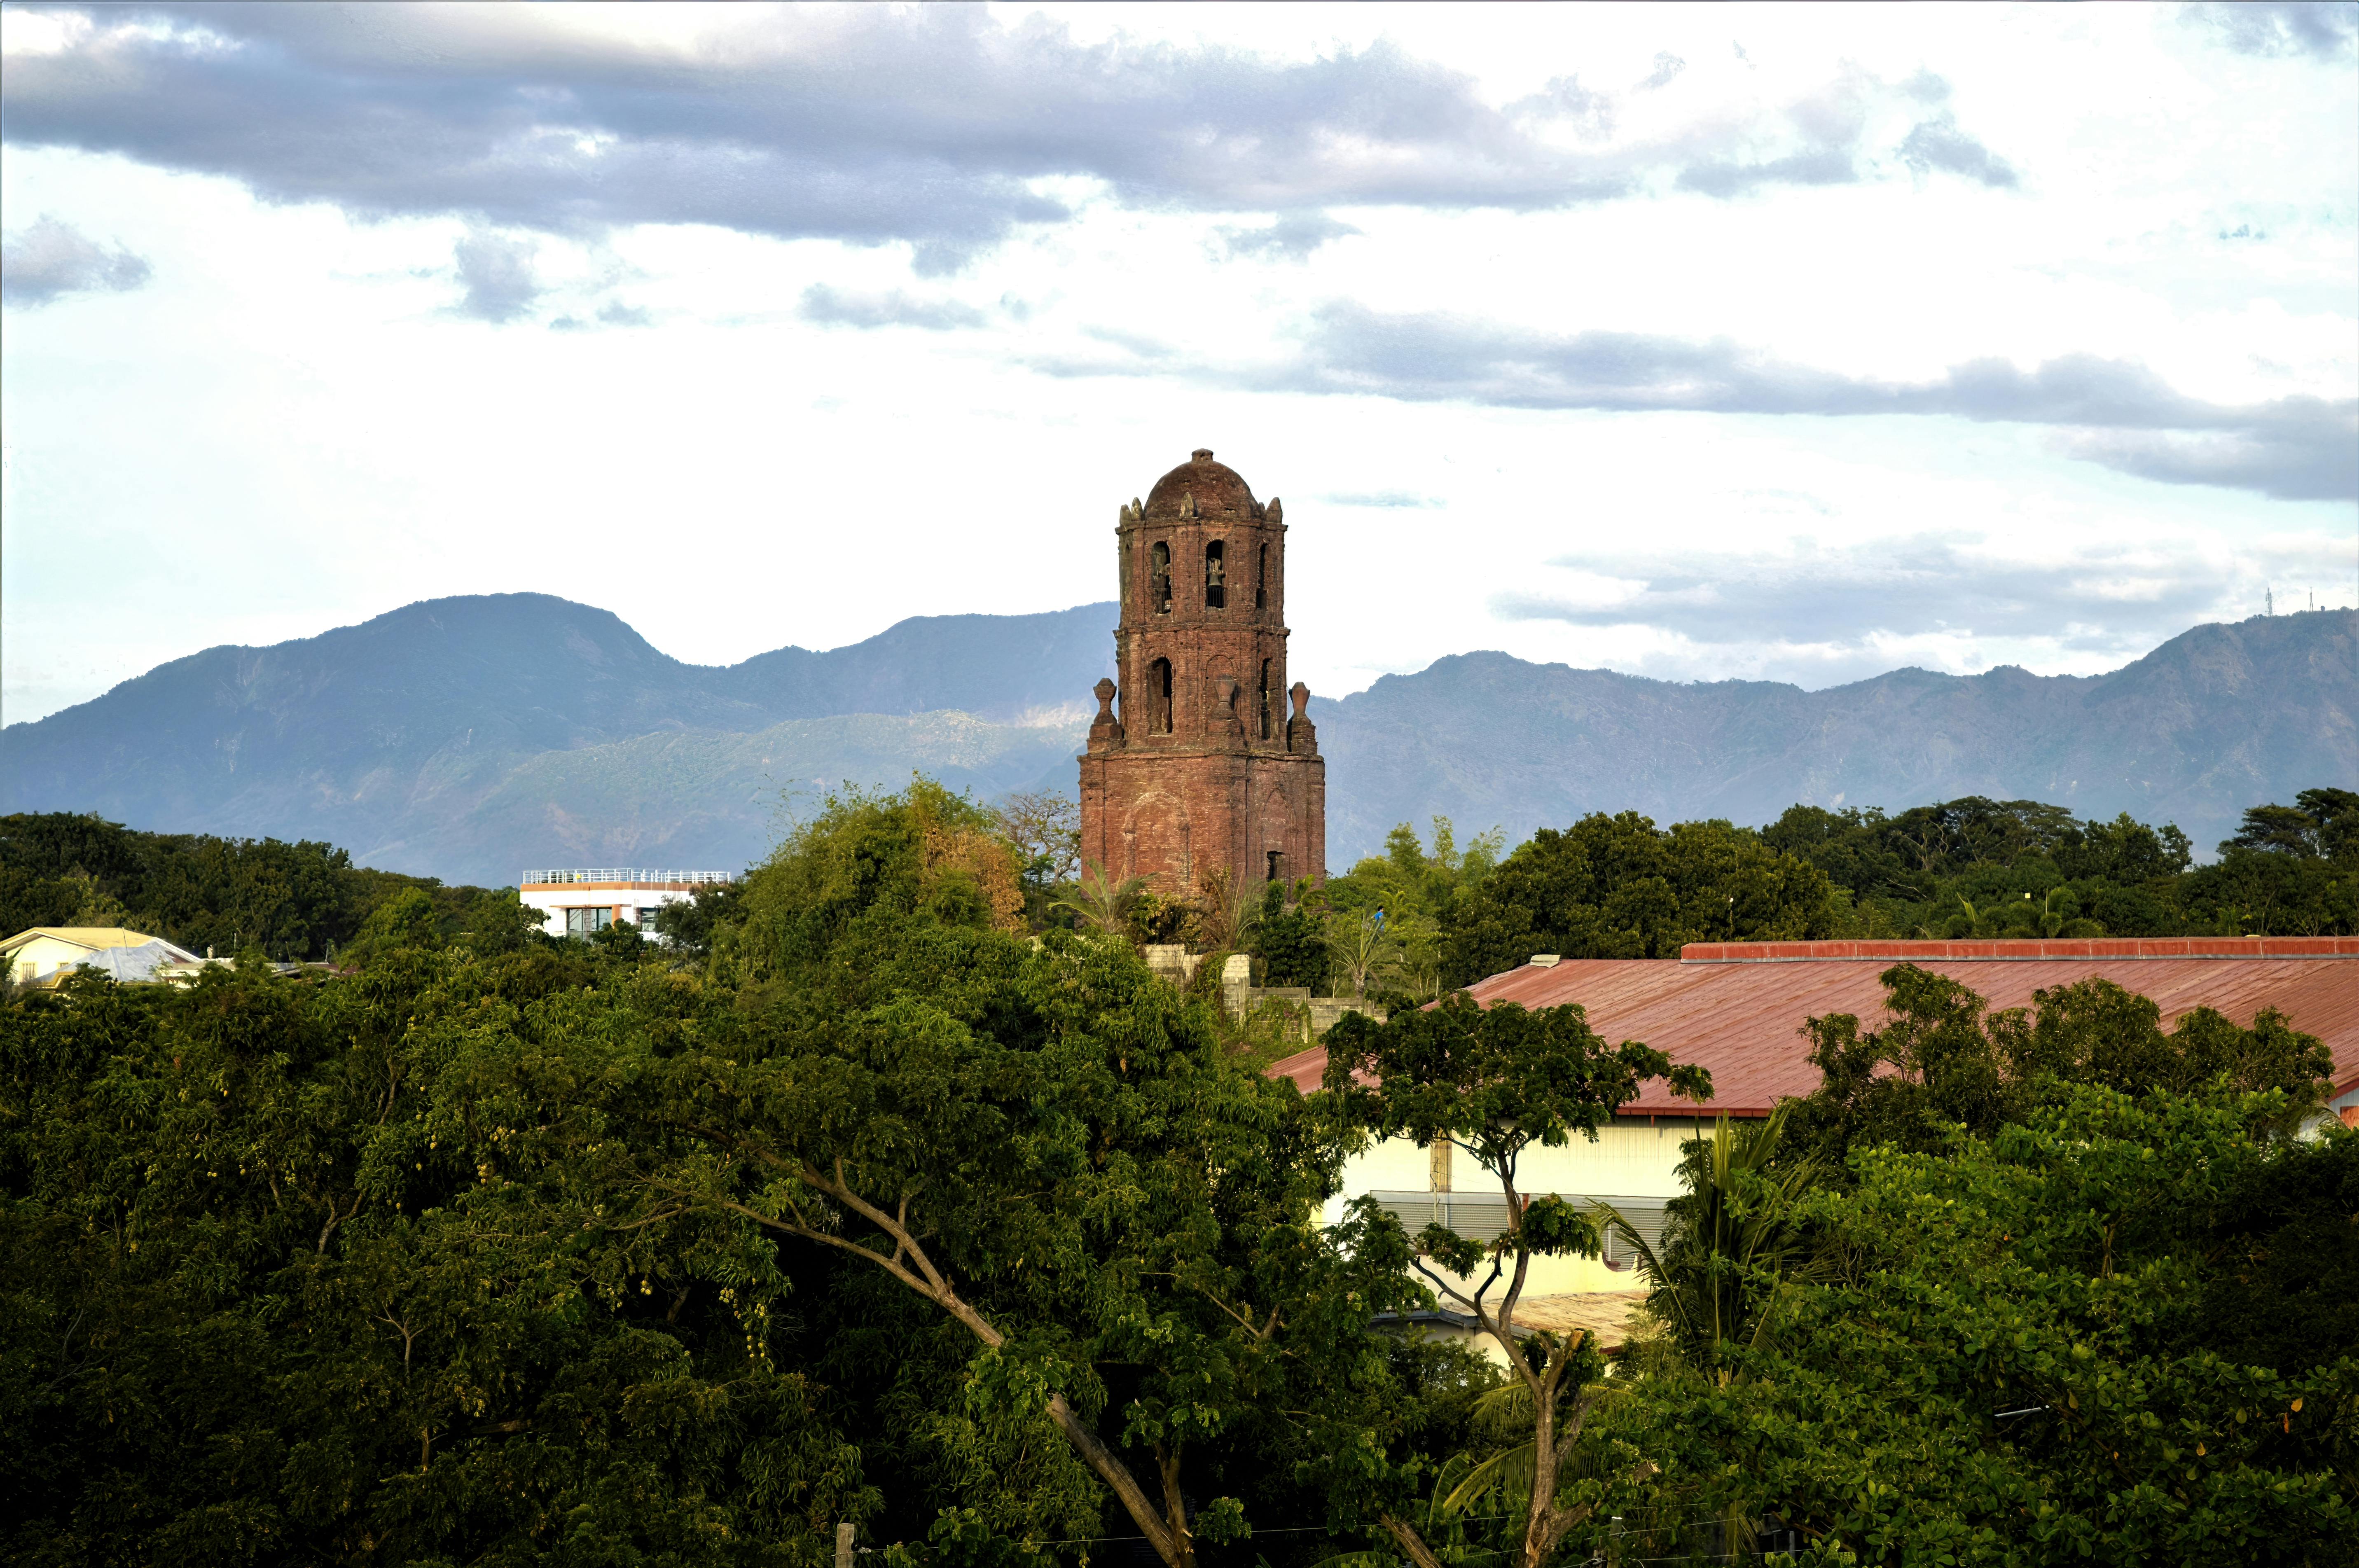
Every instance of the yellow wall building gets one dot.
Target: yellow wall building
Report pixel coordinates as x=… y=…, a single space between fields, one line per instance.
x=46 y=953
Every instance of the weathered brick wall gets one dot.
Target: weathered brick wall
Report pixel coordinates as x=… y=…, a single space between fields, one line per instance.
x=1201 y=755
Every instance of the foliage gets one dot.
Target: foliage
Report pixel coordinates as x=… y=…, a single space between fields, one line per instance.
x=2322 y=824
x=1615 y=886
x=1729 y=1241
x=853 y=1203
x=2016 y=1357
x=694 y=925
x=513 y=1253
x=1290 y=939
x=1045 y=829
x=1228 y=908
x=1359 y=945
x=1494 y=1082
x=289 y=1277
x=292 y=900
x=1101 y=905
x=1944 y=1060
x=1420 y=892
x=1979 y=867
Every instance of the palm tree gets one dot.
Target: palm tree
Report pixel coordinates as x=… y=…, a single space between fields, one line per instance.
x=1730 y=1240
x=1359 y=944
x=1230 y=909
x=1099 y=903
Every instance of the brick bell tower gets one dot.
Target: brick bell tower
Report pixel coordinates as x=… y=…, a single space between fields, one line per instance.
x=1204 y=766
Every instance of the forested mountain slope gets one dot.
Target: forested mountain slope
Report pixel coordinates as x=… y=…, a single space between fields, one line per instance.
x=390 y=736
x=467 y=737
x=2213 y=720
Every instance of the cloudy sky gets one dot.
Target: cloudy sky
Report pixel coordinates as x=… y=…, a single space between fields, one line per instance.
x=1795 y=342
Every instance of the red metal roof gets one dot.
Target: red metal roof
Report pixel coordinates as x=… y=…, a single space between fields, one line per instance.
x=1738 y=1008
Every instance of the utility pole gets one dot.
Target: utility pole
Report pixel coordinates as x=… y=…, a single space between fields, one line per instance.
x=844 y=1546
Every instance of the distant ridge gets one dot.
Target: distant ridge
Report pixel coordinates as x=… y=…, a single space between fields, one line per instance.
x=386 y=737
x=466 y=737
x=2219 y=718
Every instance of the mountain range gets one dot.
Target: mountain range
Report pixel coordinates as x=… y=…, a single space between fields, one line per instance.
x=468 y=737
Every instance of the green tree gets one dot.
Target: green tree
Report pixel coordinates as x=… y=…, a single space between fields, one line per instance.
x=1044 y=828
x=1729 y=1241
x=1618 y=888
x=694 y=925
x=1494 y=1082
x=2014 y=1360
x=292 y=900
x=1360 y=946
x=290 y=1277
x=1292 y=940
x=1101 y=905
x=1420 y=892
x=1945 y=1061
x=2322 y=824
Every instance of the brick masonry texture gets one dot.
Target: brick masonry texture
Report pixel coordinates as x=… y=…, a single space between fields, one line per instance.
x=1202 y=757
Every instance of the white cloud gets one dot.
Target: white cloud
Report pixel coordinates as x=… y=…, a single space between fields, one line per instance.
x=51 y=259
x=864 y=313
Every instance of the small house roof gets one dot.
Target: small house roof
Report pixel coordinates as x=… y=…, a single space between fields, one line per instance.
x=95 y=938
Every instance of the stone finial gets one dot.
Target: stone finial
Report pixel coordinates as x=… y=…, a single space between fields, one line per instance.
x=1302 y=735
x=1128 y=514
x=1277 y=513
x=1201 y=454
x=1105 y=730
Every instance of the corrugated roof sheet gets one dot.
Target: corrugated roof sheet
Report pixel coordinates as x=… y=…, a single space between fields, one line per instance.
x=1737 y=1008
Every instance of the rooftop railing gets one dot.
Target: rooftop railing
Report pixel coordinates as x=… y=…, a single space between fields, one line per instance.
x=617 y=874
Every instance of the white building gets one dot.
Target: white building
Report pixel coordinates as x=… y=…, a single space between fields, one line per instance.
x=585 y=901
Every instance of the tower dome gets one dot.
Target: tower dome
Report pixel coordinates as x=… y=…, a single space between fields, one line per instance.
x=1213 y=489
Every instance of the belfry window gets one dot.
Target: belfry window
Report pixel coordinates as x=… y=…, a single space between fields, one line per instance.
x=1261 y=584
x=1159 y=695
x=1158 y=578
x=1216 y=576
x=1266 y=695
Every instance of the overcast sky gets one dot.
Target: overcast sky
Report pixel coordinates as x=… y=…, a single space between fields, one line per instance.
x=1792 y=342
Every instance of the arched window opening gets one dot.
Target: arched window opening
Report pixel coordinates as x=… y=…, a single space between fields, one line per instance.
x=1266 y=695
x=1159 y=694
x=1159 y=581
x=1216 y=576
x=1261 y=583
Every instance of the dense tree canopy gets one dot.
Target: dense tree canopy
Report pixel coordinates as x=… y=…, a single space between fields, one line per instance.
x=1982 y=868
x=861 y=1199
x=291 y=900
x=2119 y=1331
x=549 y=1250
x=1943 y=1062
x=1620 y=887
